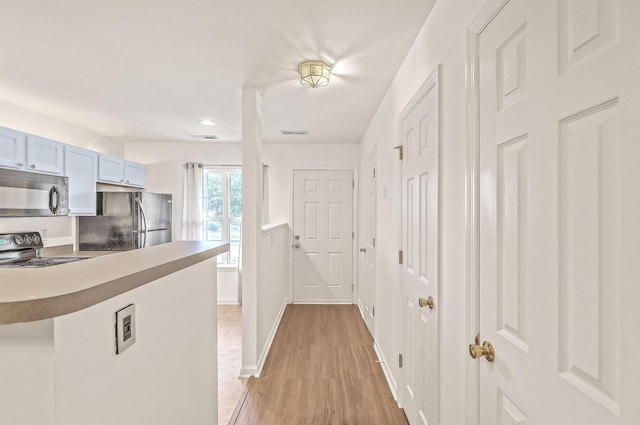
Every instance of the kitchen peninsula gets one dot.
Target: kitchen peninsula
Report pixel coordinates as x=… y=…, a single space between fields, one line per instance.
x=58 y=361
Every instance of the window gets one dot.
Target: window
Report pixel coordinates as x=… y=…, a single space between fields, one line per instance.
x=222 y=209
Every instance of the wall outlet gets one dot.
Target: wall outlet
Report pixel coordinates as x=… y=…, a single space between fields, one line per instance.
x=125 y=328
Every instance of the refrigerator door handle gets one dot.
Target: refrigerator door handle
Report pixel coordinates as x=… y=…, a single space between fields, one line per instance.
x=144 y=222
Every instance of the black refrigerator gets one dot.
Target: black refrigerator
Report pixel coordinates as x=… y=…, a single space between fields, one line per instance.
x=126 y=220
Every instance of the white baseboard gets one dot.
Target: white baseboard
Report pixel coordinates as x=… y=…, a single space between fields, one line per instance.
x=248 y=372
x=359 y=304
x=339 y=302
x=387 y=373
x=272 y=335
x=228 y=301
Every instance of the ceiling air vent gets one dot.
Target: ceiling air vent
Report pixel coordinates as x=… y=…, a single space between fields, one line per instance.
x=204 y=136
x=294 y=132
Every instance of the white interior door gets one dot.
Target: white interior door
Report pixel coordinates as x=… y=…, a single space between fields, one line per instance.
x=419 y=383
x=558 y=96
x=323 y=238
x=367 y=279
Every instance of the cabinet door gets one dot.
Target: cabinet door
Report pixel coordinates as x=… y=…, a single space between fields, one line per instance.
x=13 y=152
x=110 y=169
x=81 y=166
x=133 y=174
x=44 y=155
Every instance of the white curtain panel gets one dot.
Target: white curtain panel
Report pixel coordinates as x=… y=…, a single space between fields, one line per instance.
x=192 y=202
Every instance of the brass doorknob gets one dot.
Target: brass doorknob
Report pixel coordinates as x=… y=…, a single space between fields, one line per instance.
x=486 y=349
x=423 y=302
x=363 y=250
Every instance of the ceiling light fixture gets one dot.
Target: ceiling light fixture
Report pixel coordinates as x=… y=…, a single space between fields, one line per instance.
x=207 y=122
x=314 y=73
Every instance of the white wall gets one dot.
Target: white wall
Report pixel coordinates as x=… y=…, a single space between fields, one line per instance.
x=163 y=165
x=59 y=229
x=283 y=158
x=164 y=171
x=252 y=197
x=273 y=285
x=27 y=370
x=65 y=371
x=33 y=122
x=227 y=285
x=442 y=40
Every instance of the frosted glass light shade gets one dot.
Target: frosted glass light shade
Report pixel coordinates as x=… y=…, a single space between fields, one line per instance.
x=314 y=73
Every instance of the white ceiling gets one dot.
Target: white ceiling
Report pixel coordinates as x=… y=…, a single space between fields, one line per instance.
x=149 y=70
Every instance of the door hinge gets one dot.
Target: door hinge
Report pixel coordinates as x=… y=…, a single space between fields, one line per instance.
x=374 y=172
x=374 y=242
x=353 y=184
x=352 y=288
x=400 y=360
x=353 y=236
x=400 y=151
x=373 y=311
x=400 y=257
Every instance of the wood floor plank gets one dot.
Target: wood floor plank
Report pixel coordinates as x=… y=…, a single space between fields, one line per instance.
x=321 y=370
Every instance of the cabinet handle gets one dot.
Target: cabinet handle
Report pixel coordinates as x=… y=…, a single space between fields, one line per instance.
x=33 y=166
x=20 y=164
x=128 y=181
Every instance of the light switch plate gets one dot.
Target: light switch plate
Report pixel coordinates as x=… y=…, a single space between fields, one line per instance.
x=125 y=328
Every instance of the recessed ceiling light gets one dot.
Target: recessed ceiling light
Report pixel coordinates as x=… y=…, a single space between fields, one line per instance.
x=207 y=122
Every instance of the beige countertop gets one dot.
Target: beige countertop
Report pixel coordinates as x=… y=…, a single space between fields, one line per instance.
x=35 y=294
x=67 y=251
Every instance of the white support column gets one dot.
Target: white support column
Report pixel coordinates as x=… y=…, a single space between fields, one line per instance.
x=251 y=224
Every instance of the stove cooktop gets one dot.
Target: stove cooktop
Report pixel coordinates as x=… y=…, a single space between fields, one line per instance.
x=36 y=263
x=21 y=249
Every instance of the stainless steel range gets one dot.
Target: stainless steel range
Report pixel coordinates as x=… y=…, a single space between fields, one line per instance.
x=23 y=250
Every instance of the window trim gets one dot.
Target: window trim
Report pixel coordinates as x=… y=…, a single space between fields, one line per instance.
x=226 y=200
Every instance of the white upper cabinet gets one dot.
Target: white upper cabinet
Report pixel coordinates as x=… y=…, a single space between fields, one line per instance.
x=13 y=153
x=24 y=151
x=81 y=167
x=110 y=169
x=44 y=155
x=116 y=170
x=133 y=174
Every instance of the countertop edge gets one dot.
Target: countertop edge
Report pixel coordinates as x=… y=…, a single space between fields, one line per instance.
x=51 y=307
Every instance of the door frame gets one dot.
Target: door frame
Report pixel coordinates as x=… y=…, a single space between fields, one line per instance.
x=434 y=79
x=354 y=221
x=491 y=9
x=371 y=157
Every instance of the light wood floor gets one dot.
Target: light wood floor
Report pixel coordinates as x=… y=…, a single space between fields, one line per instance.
x=321 y=370
x=230 y=387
